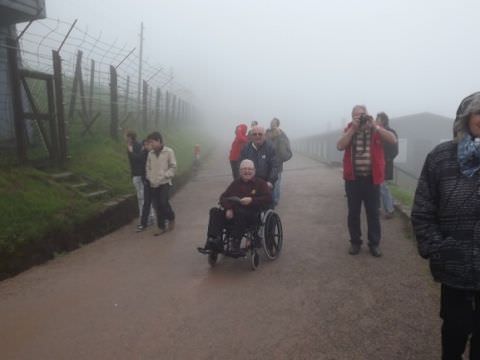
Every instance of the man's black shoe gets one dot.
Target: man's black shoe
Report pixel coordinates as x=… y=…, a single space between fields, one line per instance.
x=354 y=249
x=375 y=251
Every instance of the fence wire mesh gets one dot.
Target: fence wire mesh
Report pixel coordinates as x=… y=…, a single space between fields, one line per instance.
x=146 y=100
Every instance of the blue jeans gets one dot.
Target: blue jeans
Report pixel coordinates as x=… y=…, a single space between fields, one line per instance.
x=276 y=190
x=386 y=197
x=138 y=184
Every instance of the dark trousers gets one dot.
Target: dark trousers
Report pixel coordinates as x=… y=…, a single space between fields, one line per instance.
x=147 y=203
x=234 y=165
x=242 y=219
x=163 y=209
x=362 y=190
x=460 y=311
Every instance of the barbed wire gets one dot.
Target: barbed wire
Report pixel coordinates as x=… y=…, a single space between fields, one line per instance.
x=164 y=95
x=47 y=34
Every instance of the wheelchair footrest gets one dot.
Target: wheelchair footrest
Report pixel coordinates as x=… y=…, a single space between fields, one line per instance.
x=236 y=254
x=204 y=251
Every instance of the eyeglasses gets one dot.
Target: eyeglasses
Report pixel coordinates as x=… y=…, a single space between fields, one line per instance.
x=257 y=134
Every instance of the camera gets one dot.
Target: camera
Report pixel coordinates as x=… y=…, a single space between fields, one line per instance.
x=363 y=119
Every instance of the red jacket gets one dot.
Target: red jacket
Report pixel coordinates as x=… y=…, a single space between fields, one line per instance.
x=240 y=140
x=376 y=155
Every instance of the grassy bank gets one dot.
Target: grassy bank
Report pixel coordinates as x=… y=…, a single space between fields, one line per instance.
x=35 y=208
x=402 y=195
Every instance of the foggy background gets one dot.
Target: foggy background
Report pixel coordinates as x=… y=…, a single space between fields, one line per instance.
x=306 y=62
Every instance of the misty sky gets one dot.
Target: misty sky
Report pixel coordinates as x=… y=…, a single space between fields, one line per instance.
x=306 y=62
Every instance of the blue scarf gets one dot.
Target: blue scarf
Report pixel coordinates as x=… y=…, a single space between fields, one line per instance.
x=469 y=155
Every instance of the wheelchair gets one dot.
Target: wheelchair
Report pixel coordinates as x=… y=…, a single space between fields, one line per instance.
x=267 y=234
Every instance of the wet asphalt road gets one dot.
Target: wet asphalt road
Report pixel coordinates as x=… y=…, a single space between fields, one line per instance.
x=136 y=296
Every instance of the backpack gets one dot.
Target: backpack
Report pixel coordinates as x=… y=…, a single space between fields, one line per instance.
x=391 y=150
x=284 y=152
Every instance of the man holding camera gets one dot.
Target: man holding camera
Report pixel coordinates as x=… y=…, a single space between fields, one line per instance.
x=363 y=172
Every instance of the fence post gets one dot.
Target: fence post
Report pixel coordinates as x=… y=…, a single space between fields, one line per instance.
x=145 y=105
x=15 y=86
x=78 y=74
x=151 y=107
x=127 y=89
x=174 y=105
x=92 y=81
x=157 y=108
x=167 y=109
x=182 y=111
x=51 y=114
x=113 y=103
x=58 y=82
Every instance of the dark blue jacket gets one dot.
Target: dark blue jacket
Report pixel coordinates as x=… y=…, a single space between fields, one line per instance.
x=265 y=160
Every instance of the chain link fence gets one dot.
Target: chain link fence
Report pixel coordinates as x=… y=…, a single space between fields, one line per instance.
x=104 y=88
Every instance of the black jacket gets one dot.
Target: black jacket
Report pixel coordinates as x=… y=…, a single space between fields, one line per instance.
x=137 y=159
x=446 y=219
x=265 y=160
x=390 y=151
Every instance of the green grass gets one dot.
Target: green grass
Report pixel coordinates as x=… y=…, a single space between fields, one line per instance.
x=405 y=197
x=33 y=206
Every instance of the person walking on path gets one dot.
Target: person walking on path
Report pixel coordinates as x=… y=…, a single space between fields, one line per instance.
x=160 y=168
x=147 y=217
x=137 y=157
x=263 y=155
x=281 y=143
x=446 y=221
x=390 y=151
x=237 y=145
x=363 y=172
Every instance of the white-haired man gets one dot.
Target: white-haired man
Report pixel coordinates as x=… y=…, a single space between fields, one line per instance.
x=263 y=155
x=243 y=200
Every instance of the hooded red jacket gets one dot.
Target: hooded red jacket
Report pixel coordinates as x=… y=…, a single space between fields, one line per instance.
x=240 y=140
x=376 y=156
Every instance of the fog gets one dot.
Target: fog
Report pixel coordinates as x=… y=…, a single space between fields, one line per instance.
x=305 y=62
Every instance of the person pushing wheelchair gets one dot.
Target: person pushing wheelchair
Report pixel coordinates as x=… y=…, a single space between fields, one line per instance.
x=241 y=205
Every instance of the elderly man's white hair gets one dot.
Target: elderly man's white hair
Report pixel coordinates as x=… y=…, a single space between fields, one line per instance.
x=259 y=128
x=247 y=163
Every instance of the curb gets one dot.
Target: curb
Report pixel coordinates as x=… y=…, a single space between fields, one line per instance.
x=116 y=213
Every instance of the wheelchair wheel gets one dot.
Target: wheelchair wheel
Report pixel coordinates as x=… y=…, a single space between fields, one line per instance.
x=273 y=235
x=254 y=259
x=212 y=258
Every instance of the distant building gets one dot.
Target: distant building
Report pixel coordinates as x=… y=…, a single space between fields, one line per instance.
x=322 y=146
x=11 y=13
x=418 y=134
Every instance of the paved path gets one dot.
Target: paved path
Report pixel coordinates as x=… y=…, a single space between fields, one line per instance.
x=136 y=296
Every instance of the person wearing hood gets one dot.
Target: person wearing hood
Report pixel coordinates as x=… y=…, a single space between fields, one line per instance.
x=446 y=222
x=238 y=143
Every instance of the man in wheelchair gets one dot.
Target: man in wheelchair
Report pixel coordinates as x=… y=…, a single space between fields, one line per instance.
x=241 y=205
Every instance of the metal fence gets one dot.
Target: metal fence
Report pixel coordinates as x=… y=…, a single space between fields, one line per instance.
x=65 y=84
